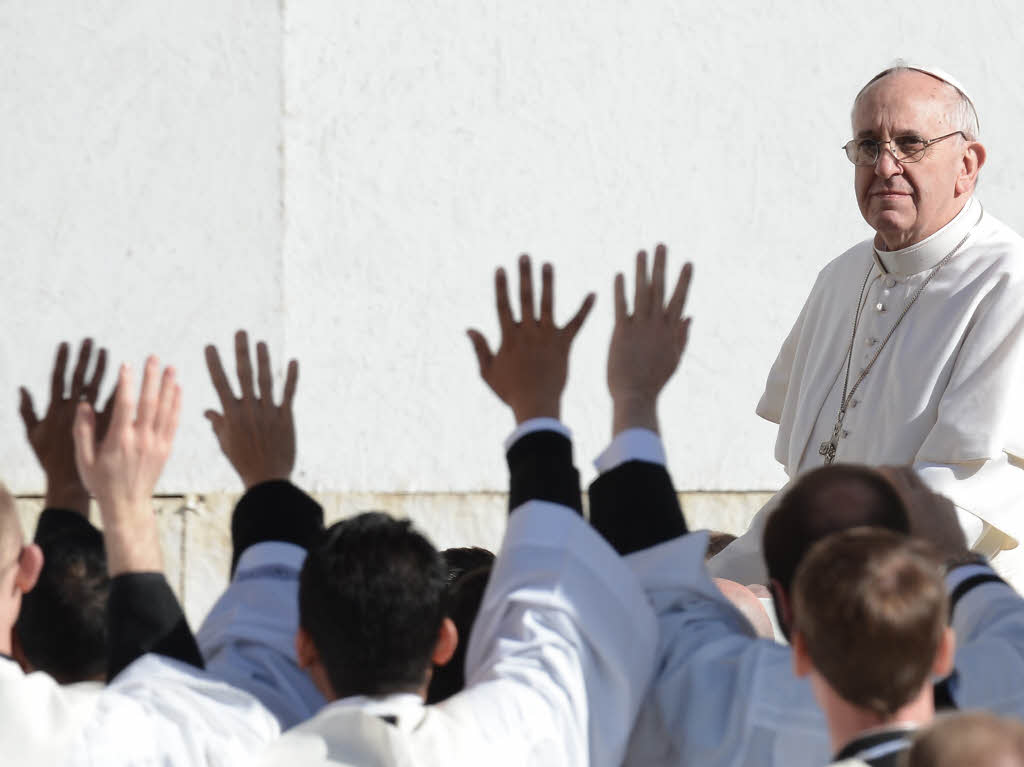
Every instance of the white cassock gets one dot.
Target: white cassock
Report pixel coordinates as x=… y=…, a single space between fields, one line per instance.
x=559 y=660
x=945 y=394
x=722 y=697
x=156 y=712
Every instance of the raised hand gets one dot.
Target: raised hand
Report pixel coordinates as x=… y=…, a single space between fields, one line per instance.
x=646 y=346
x=121 y=469
x=50 y=436
x=256 y=436
x=932 y=516
x=529 y=370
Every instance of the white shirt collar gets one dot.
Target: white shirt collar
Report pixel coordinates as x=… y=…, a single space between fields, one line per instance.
x=406 y=709
x=927 y=253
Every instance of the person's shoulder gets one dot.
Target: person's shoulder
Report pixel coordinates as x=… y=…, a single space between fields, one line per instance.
x=853 y=260
x=1000 y=243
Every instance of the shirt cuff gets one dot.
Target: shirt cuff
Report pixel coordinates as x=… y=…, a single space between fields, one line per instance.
x=631 y=445
x=536 y=424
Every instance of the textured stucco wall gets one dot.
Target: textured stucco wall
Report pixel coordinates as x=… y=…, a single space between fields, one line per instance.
x=342 y=178
x=196 y=540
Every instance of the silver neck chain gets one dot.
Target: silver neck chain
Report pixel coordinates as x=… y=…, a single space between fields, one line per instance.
x=828 y=449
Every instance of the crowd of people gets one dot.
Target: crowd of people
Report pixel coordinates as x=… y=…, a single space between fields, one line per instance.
x=588 y=639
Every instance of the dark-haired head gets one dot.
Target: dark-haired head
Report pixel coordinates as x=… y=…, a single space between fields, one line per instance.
x=822 y=502
x=372 y=608
x=62 y=626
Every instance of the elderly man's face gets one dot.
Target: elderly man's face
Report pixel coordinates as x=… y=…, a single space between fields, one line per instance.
x=907 y=202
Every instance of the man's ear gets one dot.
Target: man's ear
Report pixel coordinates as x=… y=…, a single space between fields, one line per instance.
x=447 y=641
x=30 y=564
x=802 y=665
x=305 y=651
x=945 y=655
x=973 y=158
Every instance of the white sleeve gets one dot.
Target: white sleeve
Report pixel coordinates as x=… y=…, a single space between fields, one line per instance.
x=721 y=696
x=631 y=445
x=561 y=652
x=989 y=490
x=248 y=638
x=162 y=712
x=988 y=619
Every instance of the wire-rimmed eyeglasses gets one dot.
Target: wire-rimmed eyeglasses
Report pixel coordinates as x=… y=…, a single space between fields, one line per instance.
x=910 y=148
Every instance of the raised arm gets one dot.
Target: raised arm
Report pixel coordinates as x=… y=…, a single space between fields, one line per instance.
x=563 y=646
x=257 y=436
x=986 y=613
x=528 y=373
x=248 y=637
x=121 y=468
x=633 y=503
x=50 y=436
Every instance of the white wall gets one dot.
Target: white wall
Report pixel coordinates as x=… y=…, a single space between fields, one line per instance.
x=342 y=177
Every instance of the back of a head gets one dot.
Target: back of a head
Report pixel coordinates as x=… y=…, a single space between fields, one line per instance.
x=465 y=595
x=871 y=608
x=371 y=598
x=62 y=627
x=464 y=560
x=822 y=502
x=973 y=739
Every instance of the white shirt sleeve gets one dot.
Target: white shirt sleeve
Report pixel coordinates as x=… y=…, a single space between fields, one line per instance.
x=721 y=696
x=631 y=445
x=162 y=712
x=536 y=424
x=248 y=638
x=561 y=652
x=988 y=620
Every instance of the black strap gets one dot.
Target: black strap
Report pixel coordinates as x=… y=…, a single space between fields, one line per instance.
x=969 y=583
x=540 y=469
x=634 y=506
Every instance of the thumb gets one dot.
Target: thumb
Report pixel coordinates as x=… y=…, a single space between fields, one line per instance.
x=484 y=356
x=216 y=421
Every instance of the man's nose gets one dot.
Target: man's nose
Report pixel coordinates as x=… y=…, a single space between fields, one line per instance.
x=887 y=166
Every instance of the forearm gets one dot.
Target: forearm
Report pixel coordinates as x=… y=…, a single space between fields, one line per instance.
x=633 y=504
x=540 y=466
x=144 y=615
x=67 y=495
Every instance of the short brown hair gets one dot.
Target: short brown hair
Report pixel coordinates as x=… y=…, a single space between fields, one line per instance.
x=824 y=501
x=969 y=740
x=871 y=607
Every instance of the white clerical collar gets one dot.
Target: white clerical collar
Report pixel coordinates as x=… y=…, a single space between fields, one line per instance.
x=404 y=710
x=928 y=252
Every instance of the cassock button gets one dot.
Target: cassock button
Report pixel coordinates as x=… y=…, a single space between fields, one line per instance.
x=890 y=282
x=854 y=402
x=845 y=434
x=870 y=341
x=879 y=307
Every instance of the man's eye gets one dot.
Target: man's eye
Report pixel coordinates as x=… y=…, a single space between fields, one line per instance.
x=867 y=145
x=909 y=143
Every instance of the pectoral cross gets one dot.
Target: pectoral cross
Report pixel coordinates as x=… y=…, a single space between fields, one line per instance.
x=828 y=448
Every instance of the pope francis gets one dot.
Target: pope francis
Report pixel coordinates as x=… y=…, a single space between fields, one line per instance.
x=909 y=349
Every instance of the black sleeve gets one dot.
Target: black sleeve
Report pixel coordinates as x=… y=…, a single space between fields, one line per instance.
x=540 y=469
x=144 y=616
x=274 y=511
x=634 y=506
x=55 y=523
